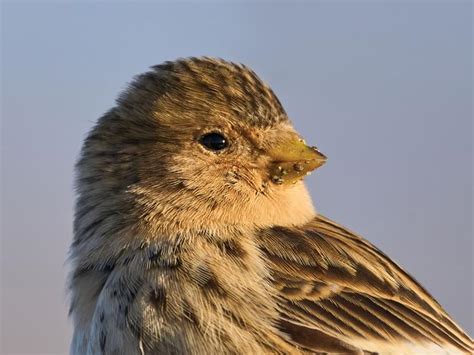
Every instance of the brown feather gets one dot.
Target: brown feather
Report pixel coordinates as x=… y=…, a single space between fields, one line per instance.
x=332 y=282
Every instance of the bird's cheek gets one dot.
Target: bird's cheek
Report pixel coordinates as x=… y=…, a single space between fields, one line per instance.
x=231 y=177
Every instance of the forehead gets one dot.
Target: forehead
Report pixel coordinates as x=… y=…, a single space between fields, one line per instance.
x=223 y=88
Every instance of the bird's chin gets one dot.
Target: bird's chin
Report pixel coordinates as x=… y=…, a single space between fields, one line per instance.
x=278 y=204
x=246 y=206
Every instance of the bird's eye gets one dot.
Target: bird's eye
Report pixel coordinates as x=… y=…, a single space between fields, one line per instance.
x=214 y=141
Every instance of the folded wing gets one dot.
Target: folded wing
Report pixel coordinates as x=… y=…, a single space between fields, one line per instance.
x=338 y=293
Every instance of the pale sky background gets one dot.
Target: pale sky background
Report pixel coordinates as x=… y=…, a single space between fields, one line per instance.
x=383 y=88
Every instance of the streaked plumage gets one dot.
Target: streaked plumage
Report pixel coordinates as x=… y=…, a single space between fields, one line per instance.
x=179 y=249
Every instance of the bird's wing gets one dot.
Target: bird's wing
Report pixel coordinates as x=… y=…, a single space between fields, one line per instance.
x=338 y=293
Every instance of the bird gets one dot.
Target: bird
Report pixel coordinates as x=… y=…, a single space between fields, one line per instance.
x=194 y=233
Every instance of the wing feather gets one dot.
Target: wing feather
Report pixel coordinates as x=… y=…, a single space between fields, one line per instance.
x=336 y=289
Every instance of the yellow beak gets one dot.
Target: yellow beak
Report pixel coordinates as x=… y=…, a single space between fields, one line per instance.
x=293 y=160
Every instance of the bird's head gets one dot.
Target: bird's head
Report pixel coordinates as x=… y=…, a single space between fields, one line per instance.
x=200 y=141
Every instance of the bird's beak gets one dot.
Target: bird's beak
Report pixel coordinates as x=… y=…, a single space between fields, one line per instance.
x=292 y=160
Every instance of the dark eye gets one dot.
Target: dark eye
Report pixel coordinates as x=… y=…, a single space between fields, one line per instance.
x=214 y=141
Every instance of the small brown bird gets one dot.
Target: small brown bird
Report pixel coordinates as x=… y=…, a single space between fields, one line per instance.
x=194 y=234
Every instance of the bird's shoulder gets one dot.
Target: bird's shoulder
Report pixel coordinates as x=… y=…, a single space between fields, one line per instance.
x=338 y=292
